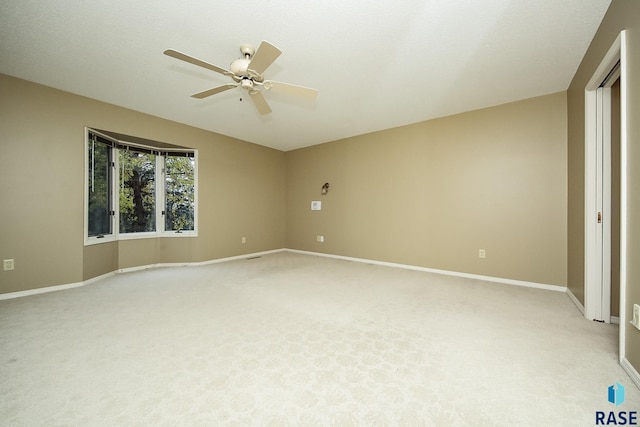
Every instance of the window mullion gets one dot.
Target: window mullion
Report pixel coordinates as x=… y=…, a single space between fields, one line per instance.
x=160 y=197
x=115 y=191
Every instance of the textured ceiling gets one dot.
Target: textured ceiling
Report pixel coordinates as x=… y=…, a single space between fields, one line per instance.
x=376 y=63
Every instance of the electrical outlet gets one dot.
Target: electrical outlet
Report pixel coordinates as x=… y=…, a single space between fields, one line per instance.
x=8 y=264
x=482 y=253
x=244 y=240
x=320 y=239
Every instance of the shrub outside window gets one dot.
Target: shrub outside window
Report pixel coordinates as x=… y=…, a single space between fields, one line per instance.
x=179 y=192
x=137 y=203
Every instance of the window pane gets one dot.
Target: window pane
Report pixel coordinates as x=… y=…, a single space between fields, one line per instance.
x=99 y=189
x=137 y=191
x=179 y=193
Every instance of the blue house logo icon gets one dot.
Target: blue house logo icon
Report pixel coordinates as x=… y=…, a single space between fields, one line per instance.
x=616 y=394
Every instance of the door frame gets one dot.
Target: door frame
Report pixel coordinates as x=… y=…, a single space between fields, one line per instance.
x=597 y=289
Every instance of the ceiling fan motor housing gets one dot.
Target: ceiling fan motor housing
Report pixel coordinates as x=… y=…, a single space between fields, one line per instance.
x=239 y=67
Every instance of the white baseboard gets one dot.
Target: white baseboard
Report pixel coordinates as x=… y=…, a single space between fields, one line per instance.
x=195 y=264
x=613 y=319
x=11 y=295
x=445 y=272
x=138 y=268
x=234 y=258
x=573 y=298
x=258 y=254
x=631 y=371
x=18 y=294
x=29 y=292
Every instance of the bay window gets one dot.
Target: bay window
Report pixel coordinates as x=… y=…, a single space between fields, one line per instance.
x=135 y=190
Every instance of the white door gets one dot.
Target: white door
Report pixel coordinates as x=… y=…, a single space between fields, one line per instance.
x=598 y=212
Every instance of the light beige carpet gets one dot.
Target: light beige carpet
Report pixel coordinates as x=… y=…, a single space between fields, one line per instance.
x=292 y=339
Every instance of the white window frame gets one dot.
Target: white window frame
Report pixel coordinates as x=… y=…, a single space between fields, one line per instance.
x=160 y=194
x=92 y=240
x=161 y=199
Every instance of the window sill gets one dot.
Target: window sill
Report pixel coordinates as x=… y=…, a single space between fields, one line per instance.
x=135 y=236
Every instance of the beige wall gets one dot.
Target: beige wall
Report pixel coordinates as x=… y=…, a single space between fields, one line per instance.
x=241 y=190
x=432 y=194
x=622 y=14
x=429 y=194
x=632 y=336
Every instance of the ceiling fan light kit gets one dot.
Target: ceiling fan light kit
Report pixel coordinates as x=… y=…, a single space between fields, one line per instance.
x=247 y=72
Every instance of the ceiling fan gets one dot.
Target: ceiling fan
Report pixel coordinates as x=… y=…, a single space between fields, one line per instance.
x=247 y=73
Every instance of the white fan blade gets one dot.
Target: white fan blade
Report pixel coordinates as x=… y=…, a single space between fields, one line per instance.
x=264 y=56
x=260 y=102
x=195 y=61
x=291 y=89
x=213 y=91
